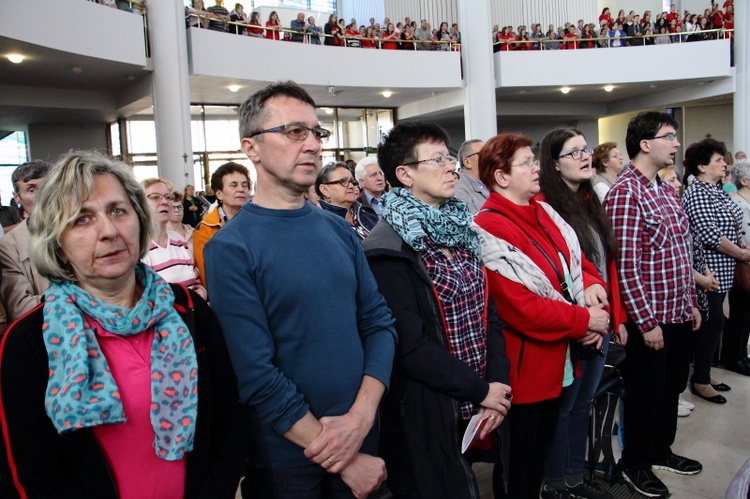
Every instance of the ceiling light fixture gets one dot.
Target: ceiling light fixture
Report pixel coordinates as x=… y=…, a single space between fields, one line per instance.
x=15 y=58
x=565 y=90
x=234 y=88
x=328 y=110
x=609 y=88
x=76 y=69
x=387 y=94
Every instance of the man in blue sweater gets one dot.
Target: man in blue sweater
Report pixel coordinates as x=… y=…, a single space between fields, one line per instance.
x=310 y=337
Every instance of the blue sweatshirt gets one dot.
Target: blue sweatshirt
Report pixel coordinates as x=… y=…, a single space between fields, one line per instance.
x=302 y=318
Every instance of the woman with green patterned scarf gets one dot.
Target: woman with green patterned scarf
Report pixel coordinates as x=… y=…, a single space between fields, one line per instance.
x=450 y=363
x=118 y=384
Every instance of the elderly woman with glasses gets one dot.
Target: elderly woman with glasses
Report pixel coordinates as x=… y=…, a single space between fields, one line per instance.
x=450 y=363
x=338 y=191
x=119 y=384
x=169 y=254
x=542 y=284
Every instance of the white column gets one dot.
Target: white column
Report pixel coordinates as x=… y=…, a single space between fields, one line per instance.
x=171 y=91
x=741 y=80
x=480 y=113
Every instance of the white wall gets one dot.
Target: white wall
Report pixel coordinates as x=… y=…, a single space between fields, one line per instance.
x=48 y=142
x=362 y=10
x=76 y=26
x=415 y=69
x=624 y=65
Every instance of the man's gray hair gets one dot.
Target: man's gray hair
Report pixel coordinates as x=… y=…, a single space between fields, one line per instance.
x=59 y=200
x=253 y=113
x=463 y=151
x=360 y=171
x=740 y=170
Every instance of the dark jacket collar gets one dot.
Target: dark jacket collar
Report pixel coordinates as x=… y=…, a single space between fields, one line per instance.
x=384 y=241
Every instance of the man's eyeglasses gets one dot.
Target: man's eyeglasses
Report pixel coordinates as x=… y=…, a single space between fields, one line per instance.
x=294 y=131
x=440 y=160
x=178 y=207
x=529 y=163
x=578 y=153
x=669 y=136
x=155 y=196
x=344 y=182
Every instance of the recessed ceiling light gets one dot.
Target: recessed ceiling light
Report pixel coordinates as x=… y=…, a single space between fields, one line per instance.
x=701 y=83
x=652 y=86
x=522 y=92
x=76 y=69
x=609 y=88
x=387 y=94
x=130 y=77
x=15 y=58
x=328 y=110
x=565 y=90
x=234 y=88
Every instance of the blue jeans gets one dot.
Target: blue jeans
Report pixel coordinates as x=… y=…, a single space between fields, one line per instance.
x=566 y=455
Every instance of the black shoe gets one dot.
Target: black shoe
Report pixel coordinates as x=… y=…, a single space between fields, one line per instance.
x=716 y=399
x=645 y=482
x=587 y=489
x=721 y=387
x=680 y=465
x=739 y=367
x=554 y=493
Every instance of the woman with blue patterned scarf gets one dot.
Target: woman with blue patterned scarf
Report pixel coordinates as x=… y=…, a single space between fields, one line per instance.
x=118 y=384
x=450 y=363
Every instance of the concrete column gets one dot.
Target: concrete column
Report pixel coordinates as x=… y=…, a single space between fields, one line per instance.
x=741 y=80
x=171 y=91
x=480 y=110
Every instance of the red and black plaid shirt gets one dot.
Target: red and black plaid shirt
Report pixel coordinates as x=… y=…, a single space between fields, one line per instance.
x=460 y=285
x=654 y=264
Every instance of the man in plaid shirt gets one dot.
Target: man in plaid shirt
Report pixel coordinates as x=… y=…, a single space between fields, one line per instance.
x=658 y=291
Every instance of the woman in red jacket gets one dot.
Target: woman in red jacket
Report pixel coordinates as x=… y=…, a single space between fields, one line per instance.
x=274 y=26
x=540 y=282
x=565 y=178
x=390 y=37
x=606 y=16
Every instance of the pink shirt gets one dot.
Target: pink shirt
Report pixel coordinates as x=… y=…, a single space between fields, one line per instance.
x=129 y=447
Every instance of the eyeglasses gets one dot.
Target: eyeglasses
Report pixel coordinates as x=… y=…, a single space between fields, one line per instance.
x=529 y=163
x=344 y=182
x=669 y=136
x=578 y=153
x=294 y=131
x=155 y=196
x=178 y=208
x=440 y=160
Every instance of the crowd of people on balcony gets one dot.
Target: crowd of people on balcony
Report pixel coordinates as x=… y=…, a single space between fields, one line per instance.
x=406 y=35
x=624 y=30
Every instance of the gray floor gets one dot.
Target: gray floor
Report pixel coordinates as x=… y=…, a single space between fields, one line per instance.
x=716 y=435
